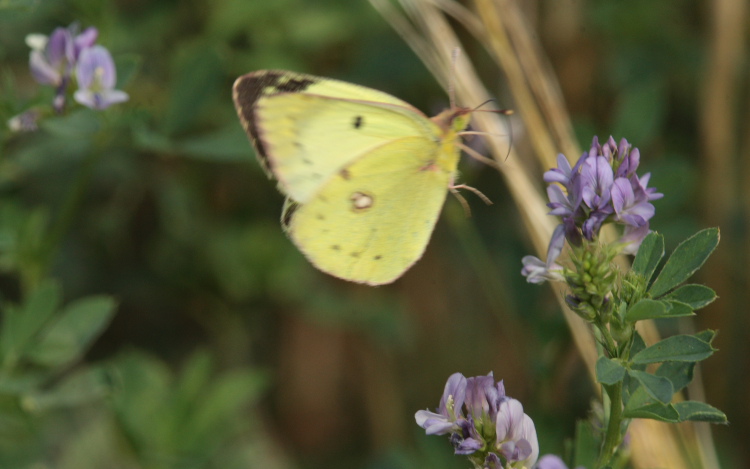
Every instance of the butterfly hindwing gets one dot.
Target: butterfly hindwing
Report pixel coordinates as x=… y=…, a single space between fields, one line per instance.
x=375 y=218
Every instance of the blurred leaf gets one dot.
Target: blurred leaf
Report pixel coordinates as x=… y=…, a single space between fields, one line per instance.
x=147 y=139
x=229 y=144
x=80 y=388
x=609 y=371
x=79 y=124
x=649 y=255
x=18 y=4
x=21 y=324
x=658 y=387
x=226 y=397
x=193 y=380
x=696 y=296
x=687 y=257
x=700 y=412
x=586 y=445
x=127 y=67
x=78 y=325
x=640 y=110
x=683 y=348
x=194 y=84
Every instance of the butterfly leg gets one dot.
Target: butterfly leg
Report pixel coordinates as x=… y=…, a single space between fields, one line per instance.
x=454 y=190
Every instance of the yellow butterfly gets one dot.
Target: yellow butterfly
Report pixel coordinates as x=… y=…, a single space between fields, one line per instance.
x=365 y=174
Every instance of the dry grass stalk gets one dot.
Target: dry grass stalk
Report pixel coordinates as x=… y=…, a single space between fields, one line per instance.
x=501 y=28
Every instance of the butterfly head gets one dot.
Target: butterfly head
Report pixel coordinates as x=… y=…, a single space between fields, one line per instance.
x=453 y=120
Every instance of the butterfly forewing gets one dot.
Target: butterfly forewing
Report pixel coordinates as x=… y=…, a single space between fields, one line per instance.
x=310 y=138
x=249 y=89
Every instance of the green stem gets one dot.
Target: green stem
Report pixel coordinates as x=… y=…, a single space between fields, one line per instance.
x=613 y=436
x=70 y=207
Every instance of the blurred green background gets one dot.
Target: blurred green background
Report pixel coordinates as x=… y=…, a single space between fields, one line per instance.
x=214 y=343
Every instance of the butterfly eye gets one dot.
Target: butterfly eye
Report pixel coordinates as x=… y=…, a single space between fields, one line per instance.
x=361 y=201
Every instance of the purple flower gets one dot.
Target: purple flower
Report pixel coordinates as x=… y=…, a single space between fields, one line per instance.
x=468 y=440
x=602 y=187
x=516 y=434
x=48 y=60
x=631 y=209
x=596 y=178
x=494 y=425
x=82 y=41
x=445 y=420
x=551 y=461
x=96 y=79
x=537 y=271
x=25 y=122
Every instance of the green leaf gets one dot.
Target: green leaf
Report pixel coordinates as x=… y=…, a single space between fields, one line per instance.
x=22 y=324
x=649 y=255
x=646 y=309
x=642 y=405
x=678 y=309
x=700 y=412
x=586 y=445
x=681 y=348
x=706 y=336
x=658 y=387
x=655 y=411
x=679 y=373
x=609 y=371
x=696 y=296
x=688 y=257
x=78 y=325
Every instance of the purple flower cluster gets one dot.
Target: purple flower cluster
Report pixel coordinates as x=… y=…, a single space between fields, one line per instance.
x=68 y=53
x=482 y=421
x=602 y=187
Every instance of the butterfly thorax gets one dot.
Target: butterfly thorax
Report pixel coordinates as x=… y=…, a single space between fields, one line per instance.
x=451 y=122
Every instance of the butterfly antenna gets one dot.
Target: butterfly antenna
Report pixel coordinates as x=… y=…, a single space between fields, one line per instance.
x=505 y=112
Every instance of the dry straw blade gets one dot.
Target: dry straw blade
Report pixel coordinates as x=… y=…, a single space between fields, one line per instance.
x=501 y=28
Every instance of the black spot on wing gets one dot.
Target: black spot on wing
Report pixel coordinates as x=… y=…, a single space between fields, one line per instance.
x=377 y=258
x=292 y=84
x=359 y=121
x=336 y=247
x=288 y=213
